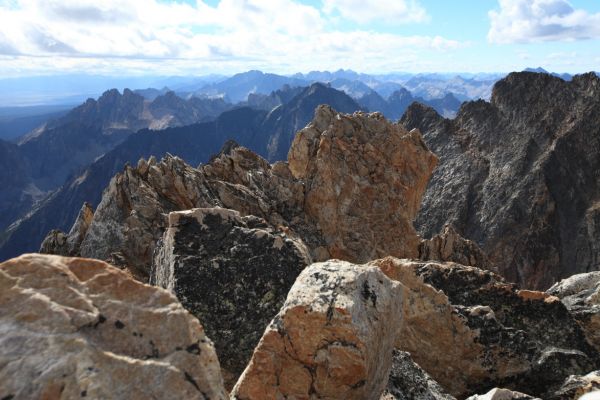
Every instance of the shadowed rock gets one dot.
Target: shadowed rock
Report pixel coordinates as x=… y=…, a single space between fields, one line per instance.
x=230 y=271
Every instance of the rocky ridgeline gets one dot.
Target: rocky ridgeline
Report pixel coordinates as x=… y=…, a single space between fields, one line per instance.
x=519 y=176
x=245 y=245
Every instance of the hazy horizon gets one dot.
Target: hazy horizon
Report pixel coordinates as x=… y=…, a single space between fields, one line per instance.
x=196 y=38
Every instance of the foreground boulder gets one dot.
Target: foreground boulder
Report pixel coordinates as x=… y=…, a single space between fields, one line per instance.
x=472 y=331
x=518 y=175
x=333 y=338
x=232 y=272
x=73 y=328
x=351 y=189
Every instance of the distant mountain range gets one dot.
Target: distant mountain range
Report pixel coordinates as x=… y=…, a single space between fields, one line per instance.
x=77 y=152
x=59 y=148
x=269 y=133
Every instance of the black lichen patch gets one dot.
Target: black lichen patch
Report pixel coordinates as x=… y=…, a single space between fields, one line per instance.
x=84 y=393
x=369 y=294
x=119 y=324
x=8 y=397
x=234 y=278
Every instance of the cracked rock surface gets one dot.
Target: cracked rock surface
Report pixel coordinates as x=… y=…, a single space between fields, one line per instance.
x=332 y=339
x=519 y=176
x=74 y=328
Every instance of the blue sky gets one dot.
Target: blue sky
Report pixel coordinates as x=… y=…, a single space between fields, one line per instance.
x=140 y=37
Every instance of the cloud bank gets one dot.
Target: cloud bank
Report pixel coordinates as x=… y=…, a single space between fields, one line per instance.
x=233 y=35
x=525 y=21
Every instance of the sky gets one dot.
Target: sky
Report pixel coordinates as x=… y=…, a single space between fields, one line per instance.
x=201 y=37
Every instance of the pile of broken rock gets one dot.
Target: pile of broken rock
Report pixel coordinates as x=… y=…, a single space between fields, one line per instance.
x=308 y=277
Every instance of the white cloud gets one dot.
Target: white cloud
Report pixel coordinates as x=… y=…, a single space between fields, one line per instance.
x=523 y=21
x=161 y=37
x=365 y=11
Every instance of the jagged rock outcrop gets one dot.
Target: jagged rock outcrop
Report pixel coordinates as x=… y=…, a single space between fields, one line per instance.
x=408 y=381
x=56 y=242
x=581 y=295
x=74 y=328
x=267 y=133
x=232 y=272
x=518 y=175
x=332 y=339
x=472 y=331
x=448 y=245
x=347 y=163
x=355 y=207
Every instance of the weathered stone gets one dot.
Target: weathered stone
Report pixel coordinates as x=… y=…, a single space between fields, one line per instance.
x=472 y=331
x=408 y=381
x=581 y=295
x=364 y=178
x=333 y=338
x=450 y=246
x=232 y=272
x=502 y=394
x=73 y=328
x=518 y=176
x=56 y=242
x=575 y=387
x=351 y=189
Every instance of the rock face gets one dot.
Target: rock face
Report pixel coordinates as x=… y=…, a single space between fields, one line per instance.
x=450 y=246
x=472 y=331
x=73 y=328
x=518 y=176
x=408 y=381
x=581 y=295
x=347 y=163
x=332 y=339
x=56 y=242
x=356 y=206
x=232 y=272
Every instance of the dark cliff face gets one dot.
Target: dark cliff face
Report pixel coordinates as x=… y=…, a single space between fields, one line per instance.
x=17 y=193
x=520 y=175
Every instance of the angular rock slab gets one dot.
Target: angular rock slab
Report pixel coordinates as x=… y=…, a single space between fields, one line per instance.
x=472 y=331
x=230 y=271
x=74 y=328
x=333 y=338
